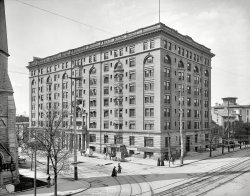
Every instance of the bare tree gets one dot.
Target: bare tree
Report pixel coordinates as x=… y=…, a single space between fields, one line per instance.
x=212 y=139
x=49 y=142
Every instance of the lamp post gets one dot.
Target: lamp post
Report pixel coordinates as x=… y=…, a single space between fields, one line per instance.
x=86 y=130
x=75 y=135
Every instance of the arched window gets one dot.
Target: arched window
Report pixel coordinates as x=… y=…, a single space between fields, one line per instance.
x=149 y=59
x=65 y=76
x=92 y=71
x=206 y=73
x=49 y=80
x=180 y=64
x=33 y=82
x=118 y=66
x=167 y=59
x=196 y=69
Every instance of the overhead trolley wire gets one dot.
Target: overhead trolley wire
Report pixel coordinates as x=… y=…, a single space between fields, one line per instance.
x=65 y=17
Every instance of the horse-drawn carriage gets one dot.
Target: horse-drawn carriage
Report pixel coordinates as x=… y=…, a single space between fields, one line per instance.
x=116 y=152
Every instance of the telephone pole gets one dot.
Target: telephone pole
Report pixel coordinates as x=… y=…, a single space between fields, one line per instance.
x=75 y=135
x=228 y=134
x=181 y=134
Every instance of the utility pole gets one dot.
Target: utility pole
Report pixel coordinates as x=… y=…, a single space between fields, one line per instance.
x=75 y=135
x=181 y=134
x=35 y=164
x=169 y=150
x=159 y=10
x=228 y=145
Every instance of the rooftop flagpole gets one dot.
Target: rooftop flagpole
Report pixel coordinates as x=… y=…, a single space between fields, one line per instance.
x=159 y=10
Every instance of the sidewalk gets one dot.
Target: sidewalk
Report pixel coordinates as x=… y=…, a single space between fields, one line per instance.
x=191 y=157
x=65 y=186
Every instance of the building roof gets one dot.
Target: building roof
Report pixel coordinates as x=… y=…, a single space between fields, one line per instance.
x=3 y=32
x=224 y=113
x=158 y=27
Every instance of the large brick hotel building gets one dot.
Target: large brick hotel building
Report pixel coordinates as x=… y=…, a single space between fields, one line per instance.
x=130 y=91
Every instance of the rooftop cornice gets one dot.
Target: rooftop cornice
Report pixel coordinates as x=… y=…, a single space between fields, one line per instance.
x=121 y=38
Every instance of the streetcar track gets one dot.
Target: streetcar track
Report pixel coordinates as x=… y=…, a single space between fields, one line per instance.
x=211 y=179
x=207 y=176
x=199 y=175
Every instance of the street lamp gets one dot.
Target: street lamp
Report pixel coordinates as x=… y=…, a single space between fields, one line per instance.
x=75 y=135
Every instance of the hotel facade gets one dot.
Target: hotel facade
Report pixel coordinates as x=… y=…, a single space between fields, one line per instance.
x=128 y=90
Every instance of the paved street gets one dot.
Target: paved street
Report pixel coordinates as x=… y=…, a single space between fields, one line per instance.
x=147 y=179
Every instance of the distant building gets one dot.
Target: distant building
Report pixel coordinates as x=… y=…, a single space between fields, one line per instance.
x=22 y=125
x=229 y=113
x=130 y=91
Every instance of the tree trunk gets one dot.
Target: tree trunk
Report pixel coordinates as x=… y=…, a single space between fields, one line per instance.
x=55 y=181
x=222 y=147
x=48 y=157
x=210 y=149
x=31 y=162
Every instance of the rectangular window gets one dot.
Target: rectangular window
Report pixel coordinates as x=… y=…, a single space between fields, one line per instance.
x=106 y=79
x=149 y=99
x=145 y=45
x=121 y=52
x=132 y=125
x=188 y=78
x=189 y=101
x=152 y=44
x=106 y=55
x=131 y=88
x=132 y=100
x=92 y=138
x=115 y=53
x=148 y=142
x=131 y=49
x=118 y=139
x=149 y=73
x=106 y=101
x=149 y=126
x=106 y=125
x=131 y=140
x=131 y=62
x=106 y=113
x=167 y=99
x=106 y=139
x=132 y=75
x=131 y=112
x=106 y=90
x=189 y=90
x=167 y=141
x=106 y=67
x=149 y=112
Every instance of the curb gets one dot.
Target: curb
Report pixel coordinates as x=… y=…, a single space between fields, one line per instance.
x=211 y=157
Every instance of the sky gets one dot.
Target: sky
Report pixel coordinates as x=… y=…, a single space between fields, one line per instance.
x=45 y=27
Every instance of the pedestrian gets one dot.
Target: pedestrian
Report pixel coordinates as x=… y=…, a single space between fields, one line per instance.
x=114 y=172
x=162 y=162
x=82 y=151
x=158 y=162
x=48 y=181
x=173 y=159
x=119 y=168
